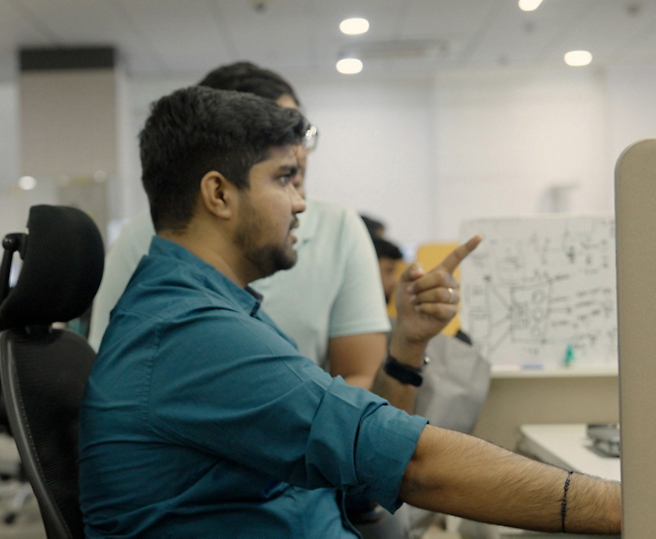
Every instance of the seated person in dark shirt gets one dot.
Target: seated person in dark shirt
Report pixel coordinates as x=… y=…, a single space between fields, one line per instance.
x=201 y=419
x=389 y=257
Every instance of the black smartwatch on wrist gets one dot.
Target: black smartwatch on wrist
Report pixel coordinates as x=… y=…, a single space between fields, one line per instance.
x=405 y=373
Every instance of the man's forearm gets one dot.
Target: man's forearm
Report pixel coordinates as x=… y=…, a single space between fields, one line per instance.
x=457 y=474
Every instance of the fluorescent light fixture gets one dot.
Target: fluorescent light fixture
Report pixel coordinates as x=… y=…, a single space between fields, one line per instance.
x=349 y=66
x=354 y=26
x=578 y=58
x=529 y=5
x=27 y=183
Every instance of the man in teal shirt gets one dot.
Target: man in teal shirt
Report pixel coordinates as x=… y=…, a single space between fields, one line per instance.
x=200 y=418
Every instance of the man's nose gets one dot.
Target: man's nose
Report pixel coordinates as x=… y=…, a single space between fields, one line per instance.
x=298 y=202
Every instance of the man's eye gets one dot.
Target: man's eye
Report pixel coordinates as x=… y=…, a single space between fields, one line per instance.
x=285 y=179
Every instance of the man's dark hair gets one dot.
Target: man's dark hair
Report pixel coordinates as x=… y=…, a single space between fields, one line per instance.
x=376 y=228
x=386 y=249
x=247 y=77
x=196 y=130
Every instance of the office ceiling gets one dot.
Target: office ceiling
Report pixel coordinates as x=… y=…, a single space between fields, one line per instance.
x=189 y=37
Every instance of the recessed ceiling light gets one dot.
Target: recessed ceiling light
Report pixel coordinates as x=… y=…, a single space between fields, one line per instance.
x=354 y=26
x=529 y=5
x=578 y=58
x=27 y=183
x=349 y=66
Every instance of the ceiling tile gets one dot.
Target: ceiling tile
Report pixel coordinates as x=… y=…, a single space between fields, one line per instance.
x=189 y=37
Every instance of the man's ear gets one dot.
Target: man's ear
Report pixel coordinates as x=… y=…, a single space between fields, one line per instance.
x=217 y=195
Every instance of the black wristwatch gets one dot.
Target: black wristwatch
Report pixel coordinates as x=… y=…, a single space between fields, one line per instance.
x=405 y=373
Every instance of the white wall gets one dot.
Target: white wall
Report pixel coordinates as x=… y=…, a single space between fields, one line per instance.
x=375 y=149
x=15 y=203
x=504 y=138
x=9 y=135
x=631 y=107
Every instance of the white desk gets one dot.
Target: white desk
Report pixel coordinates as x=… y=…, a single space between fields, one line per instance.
x=565 y=446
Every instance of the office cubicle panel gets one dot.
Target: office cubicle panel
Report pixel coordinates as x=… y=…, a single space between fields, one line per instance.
x=635 y=207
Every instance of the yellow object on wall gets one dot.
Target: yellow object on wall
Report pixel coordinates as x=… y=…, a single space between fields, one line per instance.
x=429 y=256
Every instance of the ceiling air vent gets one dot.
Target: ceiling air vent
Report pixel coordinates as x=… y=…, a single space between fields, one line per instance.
x=398 y=49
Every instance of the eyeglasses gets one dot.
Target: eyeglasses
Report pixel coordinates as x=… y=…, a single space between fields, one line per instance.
x=311 y=138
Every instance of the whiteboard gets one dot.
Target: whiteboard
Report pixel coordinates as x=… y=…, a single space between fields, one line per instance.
x=539 y=289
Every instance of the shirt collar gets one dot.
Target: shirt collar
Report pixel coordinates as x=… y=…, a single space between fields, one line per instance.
x=246 y=298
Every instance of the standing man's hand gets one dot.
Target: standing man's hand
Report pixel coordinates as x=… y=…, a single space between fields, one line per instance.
x=427 y=301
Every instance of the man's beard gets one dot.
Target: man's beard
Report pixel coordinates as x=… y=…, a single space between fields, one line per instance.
x=267 y=259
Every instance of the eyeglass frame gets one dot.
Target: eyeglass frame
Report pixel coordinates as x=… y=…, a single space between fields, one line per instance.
x=311 y=138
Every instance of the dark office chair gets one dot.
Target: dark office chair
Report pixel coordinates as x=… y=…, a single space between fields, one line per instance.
x=43 y=369
x=11 y=471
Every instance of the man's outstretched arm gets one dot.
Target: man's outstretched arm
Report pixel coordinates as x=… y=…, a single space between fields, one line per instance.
x=461 y=475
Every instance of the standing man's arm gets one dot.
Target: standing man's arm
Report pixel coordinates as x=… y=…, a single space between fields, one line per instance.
x=357 y=358
x=358 y=324
x=461 y=475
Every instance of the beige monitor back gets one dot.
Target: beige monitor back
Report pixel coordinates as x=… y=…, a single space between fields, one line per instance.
x=635 y=207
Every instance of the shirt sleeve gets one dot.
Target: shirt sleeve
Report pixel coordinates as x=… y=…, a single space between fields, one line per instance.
x=120 y=263
x=251 y=398
x=359 y=306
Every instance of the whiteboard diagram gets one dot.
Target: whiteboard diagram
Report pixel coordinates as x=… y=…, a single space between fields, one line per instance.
x=538 y=289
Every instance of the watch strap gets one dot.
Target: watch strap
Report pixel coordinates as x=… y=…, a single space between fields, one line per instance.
x=404 y=373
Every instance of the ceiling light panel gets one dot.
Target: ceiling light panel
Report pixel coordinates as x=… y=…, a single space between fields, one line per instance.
x=578 y=58
x=529 y=5
x=354 y=26
x=349 y=66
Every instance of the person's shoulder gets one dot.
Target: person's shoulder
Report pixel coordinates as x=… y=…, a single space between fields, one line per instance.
x=326 y=207
x=140 y=225
x=135 y=236
x=172 y=288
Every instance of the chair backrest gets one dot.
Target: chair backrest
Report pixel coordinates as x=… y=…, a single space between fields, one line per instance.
x=44 y=370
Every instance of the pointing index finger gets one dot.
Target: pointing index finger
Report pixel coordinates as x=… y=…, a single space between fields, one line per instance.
x=455 y=257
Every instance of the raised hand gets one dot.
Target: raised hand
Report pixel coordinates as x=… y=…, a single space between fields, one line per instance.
x=427 y=301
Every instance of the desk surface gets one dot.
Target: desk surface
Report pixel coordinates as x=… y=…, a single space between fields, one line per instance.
x=567 y=446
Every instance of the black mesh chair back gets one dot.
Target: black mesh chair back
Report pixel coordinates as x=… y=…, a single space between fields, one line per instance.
x=43 y=369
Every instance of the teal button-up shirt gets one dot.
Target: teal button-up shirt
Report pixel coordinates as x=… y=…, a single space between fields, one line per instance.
x=200 y=419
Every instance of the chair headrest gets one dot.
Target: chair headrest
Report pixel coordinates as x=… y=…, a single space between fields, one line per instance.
x=61 y=271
